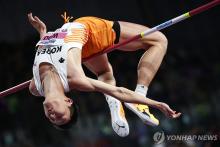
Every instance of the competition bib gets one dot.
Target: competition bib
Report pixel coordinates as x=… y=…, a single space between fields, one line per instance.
x=52 y=38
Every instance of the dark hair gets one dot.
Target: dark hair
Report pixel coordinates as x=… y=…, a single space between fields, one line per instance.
x=74 y=117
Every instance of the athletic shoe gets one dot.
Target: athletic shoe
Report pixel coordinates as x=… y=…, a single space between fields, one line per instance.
x=142 y=111
x=119 y=122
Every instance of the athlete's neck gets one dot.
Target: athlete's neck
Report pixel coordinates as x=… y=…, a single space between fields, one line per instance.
x=51 y=82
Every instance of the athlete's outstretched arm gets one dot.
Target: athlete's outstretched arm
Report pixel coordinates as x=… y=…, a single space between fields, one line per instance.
x=37 y=24
x=122 y=94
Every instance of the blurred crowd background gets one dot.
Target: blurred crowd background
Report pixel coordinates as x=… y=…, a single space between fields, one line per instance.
x=188 y=79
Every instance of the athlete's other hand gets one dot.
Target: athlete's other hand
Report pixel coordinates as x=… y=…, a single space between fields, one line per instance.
x=37 y=24
x=168 y=111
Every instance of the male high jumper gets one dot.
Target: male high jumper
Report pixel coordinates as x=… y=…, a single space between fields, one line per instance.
x=58 y=69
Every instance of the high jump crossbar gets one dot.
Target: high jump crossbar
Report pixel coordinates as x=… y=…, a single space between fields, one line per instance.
x=141 y=35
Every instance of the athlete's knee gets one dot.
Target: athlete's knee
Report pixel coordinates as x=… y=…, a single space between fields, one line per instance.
x=159 y=40
x=162 y=40
x=107 y=76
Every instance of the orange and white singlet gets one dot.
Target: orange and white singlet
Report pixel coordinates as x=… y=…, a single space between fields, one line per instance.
x=90 y=34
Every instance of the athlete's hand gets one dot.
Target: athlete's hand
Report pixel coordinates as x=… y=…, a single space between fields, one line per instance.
x=168 y=111
x=37 y=24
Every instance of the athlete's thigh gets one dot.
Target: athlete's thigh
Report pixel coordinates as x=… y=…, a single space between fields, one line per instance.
x=129 y=30
x=98 y=65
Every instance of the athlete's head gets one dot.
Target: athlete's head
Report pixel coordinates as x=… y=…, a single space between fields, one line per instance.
x=61 y=111
x=58 y=108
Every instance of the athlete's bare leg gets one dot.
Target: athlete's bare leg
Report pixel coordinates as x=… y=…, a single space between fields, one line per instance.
x=103 y=70
x=155 y=45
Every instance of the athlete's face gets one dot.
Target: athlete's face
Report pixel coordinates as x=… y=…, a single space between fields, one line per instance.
x=57 y=110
